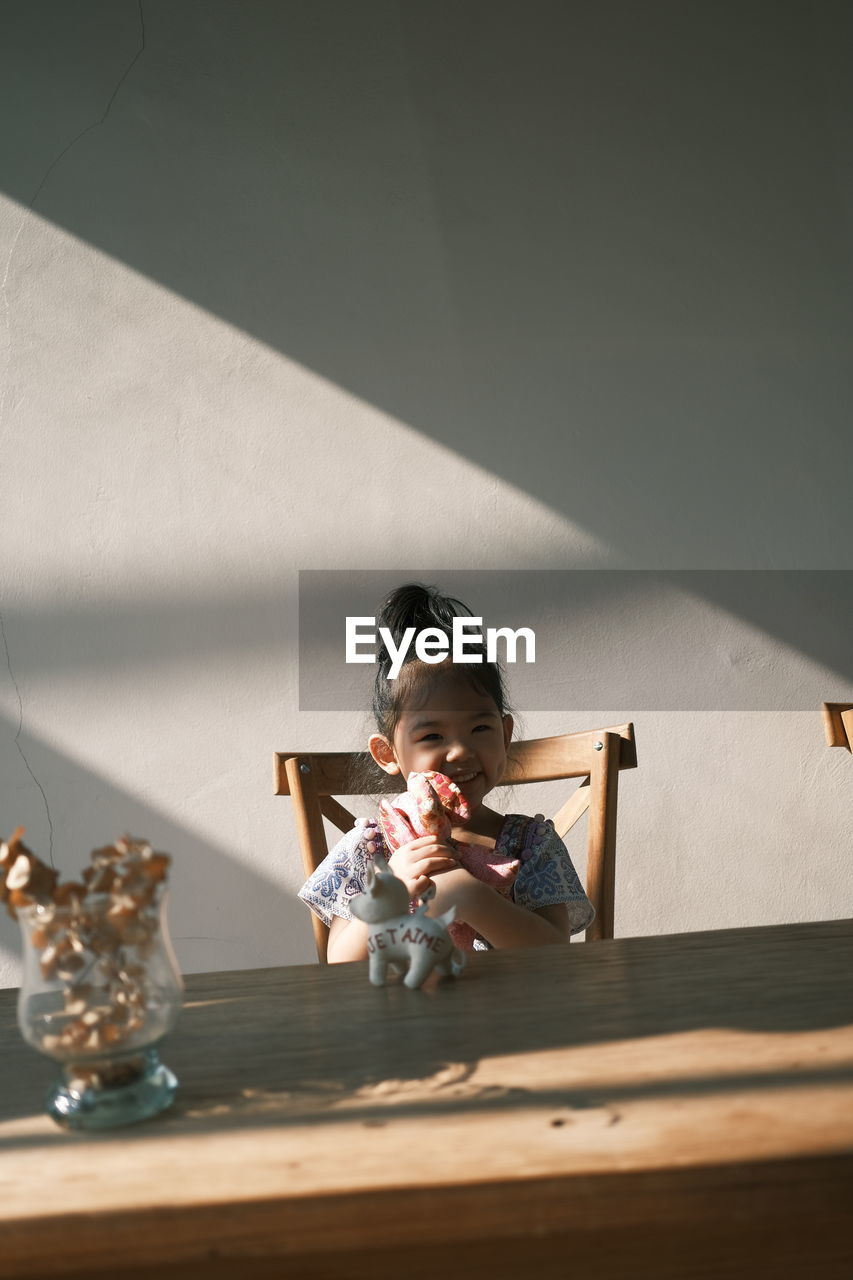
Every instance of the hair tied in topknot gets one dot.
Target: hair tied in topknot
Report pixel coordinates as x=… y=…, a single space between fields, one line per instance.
x=419 y=606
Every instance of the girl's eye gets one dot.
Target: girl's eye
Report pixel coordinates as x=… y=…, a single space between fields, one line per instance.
x=427 y=737
x=478 y=727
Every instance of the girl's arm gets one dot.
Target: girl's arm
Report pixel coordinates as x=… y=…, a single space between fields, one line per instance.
x=501 y=922
x=347 y=940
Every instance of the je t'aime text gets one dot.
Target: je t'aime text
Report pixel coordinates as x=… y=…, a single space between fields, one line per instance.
x=432 y=645
x=410 y=937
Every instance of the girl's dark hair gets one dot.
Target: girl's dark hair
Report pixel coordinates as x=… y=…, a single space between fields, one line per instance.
x=419 y=606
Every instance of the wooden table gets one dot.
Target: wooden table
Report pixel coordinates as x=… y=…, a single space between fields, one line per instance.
x=673 y=1107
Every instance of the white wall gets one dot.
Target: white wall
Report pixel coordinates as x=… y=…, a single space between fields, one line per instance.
x=428 y=287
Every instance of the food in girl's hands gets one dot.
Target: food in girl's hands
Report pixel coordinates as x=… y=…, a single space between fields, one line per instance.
x=427 y=808
x=424 y=807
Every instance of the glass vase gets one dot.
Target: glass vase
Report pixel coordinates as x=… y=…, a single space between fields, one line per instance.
x=101 y=989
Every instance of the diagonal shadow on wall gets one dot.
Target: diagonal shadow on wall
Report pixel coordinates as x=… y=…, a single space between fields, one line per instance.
x=688 y=648
x=563 y=240
x=224 y=904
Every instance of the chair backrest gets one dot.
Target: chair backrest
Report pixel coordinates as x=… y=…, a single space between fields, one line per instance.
x=314 y=778
x=838 y=724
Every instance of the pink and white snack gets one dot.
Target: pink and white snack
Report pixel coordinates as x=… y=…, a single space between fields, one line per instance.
x=428 y=807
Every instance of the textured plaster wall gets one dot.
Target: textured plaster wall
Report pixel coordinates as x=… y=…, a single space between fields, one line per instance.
x=419 y=286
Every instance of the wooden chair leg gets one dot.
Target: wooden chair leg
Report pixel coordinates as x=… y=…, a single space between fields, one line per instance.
x=311 y=832
x=601 y=856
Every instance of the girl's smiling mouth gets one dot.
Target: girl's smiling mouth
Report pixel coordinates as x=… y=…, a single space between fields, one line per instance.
x=463 y=777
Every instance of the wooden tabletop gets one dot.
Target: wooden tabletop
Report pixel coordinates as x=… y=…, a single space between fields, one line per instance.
x=674 y=1107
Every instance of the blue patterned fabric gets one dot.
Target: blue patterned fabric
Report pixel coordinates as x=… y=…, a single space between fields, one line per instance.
x=339 y=877
x=546 y=875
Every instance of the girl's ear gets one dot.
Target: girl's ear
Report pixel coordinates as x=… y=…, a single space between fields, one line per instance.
x=508 y=727
x=383 y=753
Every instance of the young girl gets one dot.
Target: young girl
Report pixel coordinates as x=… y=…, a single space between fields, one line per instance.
x=453 y=719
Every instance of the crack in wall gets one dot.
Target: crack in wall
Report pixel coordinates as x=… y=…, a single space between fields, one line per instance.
x=97 y=123
x=21 y=751
x=5 y=388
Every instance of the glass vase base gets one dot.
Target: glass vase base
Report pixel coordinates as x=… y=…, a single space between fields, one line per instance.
x=108 y=1096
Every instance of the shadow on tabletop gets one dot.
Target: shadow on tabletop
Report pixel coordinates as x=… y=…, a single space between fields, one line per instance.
x=410 y=1053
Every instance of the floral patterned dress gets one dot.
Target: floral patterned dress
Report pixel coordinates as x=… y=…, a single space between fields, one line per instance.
x=545 y=878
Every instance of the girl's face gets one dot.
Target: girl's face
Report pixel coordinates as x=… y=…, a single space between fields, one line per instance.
x=456 y=731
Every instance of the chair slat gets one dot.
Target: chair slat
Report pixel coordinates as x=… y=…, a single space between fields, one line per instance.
x=537 y=760
x=838 y=724
x=335 y=812
x=574 y=808
x=567 y=756
x=847 y=721
x=333 y=772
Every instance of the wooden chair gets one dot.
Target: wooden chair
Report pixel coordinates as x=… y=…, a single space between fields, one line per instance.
x=313 y=779
x=838 y=724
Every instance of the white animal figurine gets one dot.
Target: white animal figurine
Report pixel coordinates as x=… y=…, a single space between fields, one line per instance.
x=413 y=944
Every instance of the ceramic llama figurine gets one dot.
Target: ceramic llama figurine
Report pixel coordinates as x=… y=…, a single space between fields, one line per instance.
x=412 y=943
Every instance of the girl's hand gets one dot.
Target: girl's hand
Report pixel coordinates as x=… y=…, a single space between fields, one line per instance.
x=457 y=888
x=415 y=862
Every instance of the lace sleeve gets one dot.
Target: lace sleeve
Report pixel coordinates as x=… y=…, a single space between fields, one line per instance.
x=341 y=875
x=548 y=877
